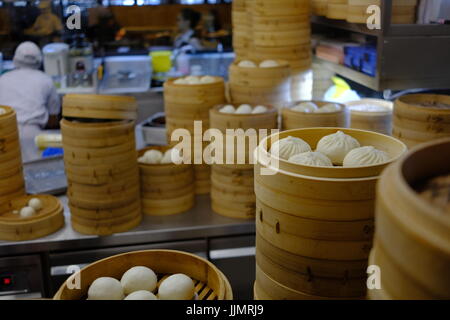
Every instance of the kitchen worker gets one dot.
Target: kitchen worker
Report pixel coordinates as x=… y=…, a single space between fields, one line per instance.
x=187 y=40
x=31 y=93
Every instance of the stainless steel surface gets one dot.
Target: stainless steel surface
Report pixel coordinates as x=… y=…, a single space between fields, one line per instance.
x=200 y=222
x=45 y=176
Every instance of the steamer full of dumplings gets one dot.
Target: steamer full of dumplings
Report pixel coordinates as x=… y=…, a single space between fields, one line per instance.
x=315 y=199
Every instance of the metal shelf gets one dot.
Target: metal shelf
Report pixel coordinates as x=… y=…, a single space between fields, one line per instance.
x=409 y=56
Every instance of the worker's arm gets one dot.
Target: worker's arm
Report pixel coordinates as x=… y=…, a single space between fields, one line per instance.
x=54 y=109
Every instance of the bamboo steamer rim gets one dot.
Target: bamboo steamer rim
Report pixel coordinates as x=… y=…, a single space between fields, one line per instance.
x=210 y=272
x=282 y=64
x=413 y=200
x=10 y=112
x=320 y=103
x=327 y=173
x=412 y=100
x=171 y=82
x=388 y=105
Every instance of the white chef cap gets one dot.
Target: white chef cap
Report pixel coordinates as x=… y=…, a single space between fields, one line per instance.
x=28 y=55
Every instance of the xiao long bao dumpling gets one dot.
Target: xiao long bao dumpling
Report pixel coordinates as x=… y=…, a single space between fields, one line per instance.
x=288 y=147
x=247 y=64
x=244 y=109
x=105 y=288
x=315 y=159
x=365 y=156
x=260 y=109
x=328 y=108
x=336 y=146
x=227 y=109
x=141 y=295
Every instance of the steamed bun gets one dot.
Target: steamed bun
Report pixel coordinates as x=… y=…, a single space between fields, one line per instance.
x=177 y=287
x=336 y=146
x=260 y=109
x=311 y=159
x=141 y=295
x=151 y=157
x=172 y=156
x=247 y=64
x=306 y=107
x=35 y=203
x=330 y=107
x=2 y=111
x=207 y=79
x=181 y=81
x=244 y=109
x=288 y=147
x=365 y=156
x=227 y=109
x=192 y=80
x=268 y=64
x=138 y=278
x=105 y=288
x=27 y=212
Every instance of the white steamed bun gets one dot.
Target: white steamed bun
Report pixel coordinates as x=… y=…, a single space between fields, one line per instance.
x=268 y=64
x=306 y=107
x=105 y=288
x=288 y=147
x=172 y=156
x=35 y=203
x=27 y=212
x=227 y=109
x=365 y=156
x=260 y=109
x=151 y=157
x=336 y=146
x=141 y=295
x=138 y=278
x=2 y=111
x=207 y=79
x=177 y=287
x=247 y=64
x=328 y=108
x=192 y=80
x=316 y=159
x=181 y=81
x=244 y=109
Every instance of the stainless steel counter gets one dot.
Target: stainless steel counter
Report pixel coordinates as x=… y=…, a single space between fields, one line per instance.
x=200 y=222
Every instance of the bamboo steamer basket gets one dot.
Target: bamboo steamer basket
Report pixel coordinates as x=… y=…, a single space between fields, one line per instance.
x=210 y=282
x=296 y=120
x=46 y=221
x=166 y=188
x=206 y=95
x=99 y=107
x=12 y=183
x=421 y=271
x=306 y=283
x=319 y=7
x=337 y=9
x=415 y=123
x=283 y=38
x=288 y=53
x=103 y=214
x=260 y=85
x=376 y=294
x=277 y=23
x=270 y=289
x=378 y=121
x=279 y=7
x=105 y=230
x=323 y=222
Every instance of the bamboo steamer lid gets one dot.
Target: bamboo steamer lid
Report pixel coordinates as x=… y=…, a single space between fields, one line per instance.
x=99 y=106
x=46 y=221
x=379 y=121
x=210 y=283
x=425 y=235
x=294 y=120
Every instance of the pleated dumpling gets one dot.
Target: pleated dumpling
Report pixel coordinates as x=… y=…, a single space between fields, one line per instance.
x=288 y=147
x=365 y=156
x=328 y=108
x=315 y=159
x=336 y=146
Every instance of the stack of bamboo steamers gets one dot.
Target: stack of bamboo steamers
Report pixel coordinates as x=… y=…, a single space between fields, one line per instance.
x=100 y=160
x=186 y=103
x=11 y=177
x=279 y=30
x=315 y=224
